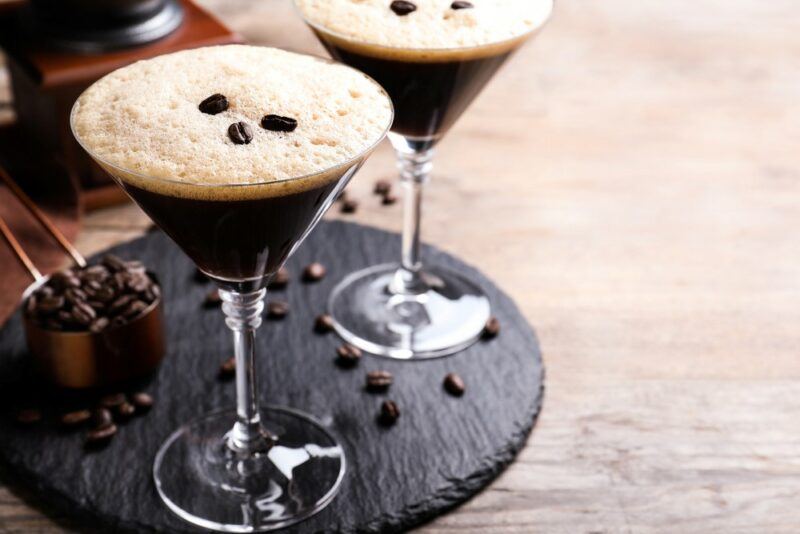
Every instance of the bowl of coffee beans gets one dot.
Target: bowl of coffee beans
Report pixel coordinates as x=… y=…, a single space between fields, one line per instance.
x=96 y=325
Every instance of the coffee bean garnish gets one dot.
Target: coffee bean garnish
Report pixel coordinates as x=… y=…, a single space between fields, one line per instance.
x=114 y=400
x=126 y=410
x=348 y=355
x=277 y=123
x=382 y=187
x=214 y=104
x=73 y=419
x=240 y=133
x=280 y=280
x=454 y=384
x=350 y=205
x=213 y=299
x=314 y=272
x=101 y=434
x=228 y=368
x=277 y=309
x=389 y=413
x=102 y=418
x=461 y=5
x=402 y=8
x=492 y=328
x=142 y=401
x=379 y=380
x=323 y=324
x=389 y=199
x=29 y=416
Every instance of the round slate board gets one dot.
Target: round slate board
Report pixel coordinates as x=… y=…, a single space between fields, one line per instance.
x=442 y=450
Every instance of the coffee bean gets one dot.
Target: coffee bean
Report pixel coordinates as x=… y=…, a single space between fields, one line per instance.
x=461 y=5
x=78 y=417
x=113 y=400
x=120 y=304
x=402 y=8
x=382 y=187
x=214 y=104
x=105 y=294
x=126 y=410
x=454 y=384
x=49 y=305
x=113 y=263
x=280 y=280
x=389 y=413
x=240 y=133
x=142 y=401
x=213 y=299
x=348 y=355
x=151 y=294
x=134 y=309
x=314 y=272
x=74 y=295
x=83 y=314
x=101 y=418
x=98 y=325
x=134 y=267
x=228 y=368
x=63 y=280
x=350 y=205
x=101 y=434
x=379 y=380
x=389 y=199
x=95 y=272
x=492 y=328
x=323 y=324
x=277 y=309
x=277 y=123
x=29 y=416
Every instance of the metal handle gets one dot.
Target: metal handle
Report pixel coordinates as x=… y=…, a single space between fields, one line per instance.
x=19 y=252
x=43 y=220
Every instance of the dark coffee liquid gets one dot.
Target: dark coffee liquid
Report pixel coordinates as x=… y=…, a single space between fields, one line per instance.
x=428 y=97
x=236 y=239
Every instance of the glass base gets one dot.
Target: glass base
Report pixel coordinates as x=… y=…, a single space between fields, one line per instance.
x=446 y=318
x=205 y=483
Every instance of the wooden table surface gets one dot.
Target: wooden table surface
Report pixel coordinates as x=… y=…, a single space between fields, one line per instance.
x=632 y=180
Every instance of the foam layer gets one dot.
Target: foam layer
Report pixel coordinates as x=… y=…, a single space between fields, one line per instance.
x=434 y=32
x=143 y=122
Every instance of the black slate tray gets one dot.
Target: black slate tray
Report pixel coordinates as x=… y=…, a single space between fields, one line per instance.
x=442 y=451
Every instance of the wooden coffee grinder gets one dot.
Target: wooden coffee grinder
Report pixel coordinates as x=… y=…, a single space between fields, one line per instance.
x=57 y=48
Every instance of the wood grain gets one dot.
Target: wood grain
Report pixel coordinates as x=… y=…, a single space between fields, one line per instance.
x=631 y=178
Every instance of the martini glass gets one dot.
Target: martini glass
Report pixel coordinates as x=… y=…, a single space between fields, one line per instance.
x=410 y=310
x=253 y=468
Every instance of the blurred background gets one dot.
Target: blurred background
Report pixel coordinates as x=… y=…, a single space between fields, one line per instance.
x=631 y=178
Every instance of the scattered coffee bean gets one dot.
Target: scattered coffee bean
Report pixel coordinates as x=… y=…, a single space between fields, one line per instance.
x=382 y=187
x=29 y=416
x=78 y=417
x=461 y=5
x=228 y=368
x=101 y=434
x=113 y=400
x=454 y=384
x=348 y=355
x=213 y=299
x=323 y=324
x=102 y=418
x=214 y=104
x=402 y=8
x=389 y=413
x=492 y=328
x=350 y=205
x=276 y=123
x=126 y=410
x=277 y=309
x=240 y=133
x=280 y=280
x=314 y=272
x=389 y=199
x=379 y=380
x=142 y=401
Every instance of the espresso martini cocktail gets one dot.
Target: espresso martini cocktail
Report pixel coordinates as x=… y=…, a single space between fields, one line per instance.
x=433 y=57
x=236 y=152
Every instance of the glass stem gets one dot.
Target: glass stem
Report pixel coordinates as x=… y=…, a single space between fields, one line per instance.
x=415 y=169
x=243 y=317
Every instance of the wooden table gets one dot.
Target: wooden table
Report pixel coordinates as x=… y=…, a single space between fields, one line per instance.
x=632 y=179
